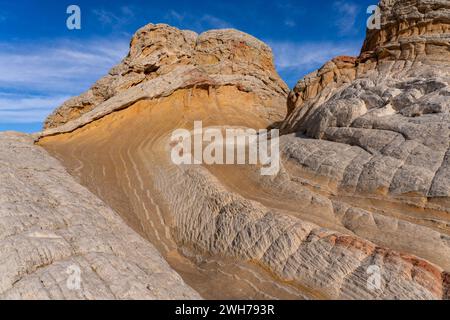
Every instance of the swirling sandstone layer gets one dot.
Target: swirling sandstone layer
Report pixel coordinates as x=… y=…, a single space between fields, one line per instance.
x=365 y=169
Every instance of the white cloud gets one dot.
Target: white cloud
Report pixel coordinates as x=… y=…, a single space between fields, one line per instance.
x=175 y=16
x=37 y=77
x=105 y=17
x=290 y=23
x=291 y=8
x=12 y=102
x=290 y=55
x=61 y=66
x=294 y=60
x=214 y=22
x=347 y=13
x=202 y=23
x=16 y=108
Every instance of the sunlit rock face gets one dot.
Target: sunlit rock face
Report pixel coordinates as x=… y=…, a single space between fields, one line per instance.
x=363 y=189
x=160 y=55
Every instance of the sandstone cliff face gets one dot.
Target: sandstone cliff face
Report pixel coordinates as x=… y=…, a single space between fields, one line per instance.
x=60 y=230
x=410 y=29
x=365 y=172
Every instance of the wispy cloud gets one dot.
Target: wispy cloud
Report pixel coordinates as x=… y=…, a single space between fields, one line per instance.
x=199 y=24
x=17 y=108
x=37 y=77
x=116 y=19
x=290 y=23
x=295 y=60
x=347 y=13
x=290 y=55
x=58 y=66
x=292 y=12
x=214 y=22
x=291 y=8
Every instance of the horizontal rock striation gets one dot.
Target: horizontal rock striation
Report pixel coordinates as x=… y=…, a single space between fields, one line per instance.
x=331 y=264
x=380 y=130
x=277 y=225
x=411 y=29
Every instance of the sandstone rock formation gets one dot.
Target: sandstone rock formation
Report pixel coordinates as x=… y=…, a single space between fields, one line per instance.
x=380 y=125
x=364 y=183
x=386 y=112
x=51 y=228
x=163 y=59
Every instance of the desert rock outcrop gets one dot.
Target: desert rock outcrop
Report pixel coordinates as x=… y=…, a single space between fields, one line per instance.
x=163 y=59
x=364 y=181
x=380 y=126
x=387 y=111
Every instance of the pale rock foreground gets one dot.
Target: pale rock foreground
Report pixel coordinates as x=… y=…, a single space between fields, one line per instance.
x=51 y=228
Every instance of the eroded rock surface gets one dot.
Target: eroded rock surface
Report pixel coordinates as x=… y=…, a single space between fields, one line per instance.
x=387 y=112
x=315 y=246
x=364 y=183
x=52 y=230
x=163 y=59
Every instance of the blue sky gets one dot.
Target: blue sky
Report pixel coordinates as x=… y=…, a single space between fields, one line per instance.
x=42 y=63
